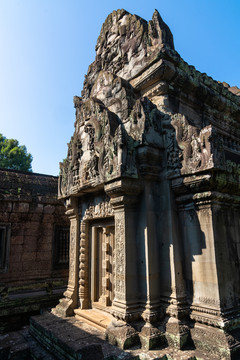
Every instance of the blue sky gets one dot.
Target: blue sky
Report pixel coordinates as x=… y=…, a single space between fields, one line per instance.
x=47 y=45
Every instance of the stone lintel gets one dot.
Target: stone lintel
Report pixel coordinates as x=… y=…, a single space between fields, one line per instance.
x=123 y=188
x=89 y=188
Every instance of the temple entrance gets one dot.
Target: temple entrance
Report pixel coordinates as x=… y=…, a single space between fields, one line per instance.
x=102 y=265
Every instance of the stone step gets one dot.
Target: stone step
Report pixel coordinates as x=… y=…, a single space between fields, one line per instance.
x=72 y=339
x=94 y=317
x=13 y=346
x=37 y=352
x=58 y=338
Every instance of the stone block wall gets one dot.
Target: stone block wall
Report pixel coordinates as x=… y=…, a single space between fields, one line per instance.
x=31 y=219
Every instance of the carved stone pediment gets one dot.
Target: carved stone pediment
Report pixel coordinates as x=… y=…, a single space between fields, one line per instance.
x=198 y=148
x=109 y=128
x=116 y=94
x=94 y=153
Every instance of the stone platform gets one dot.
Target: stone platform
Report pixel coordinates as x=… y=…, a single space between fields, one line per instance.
x=71 y=338
x=51 y=337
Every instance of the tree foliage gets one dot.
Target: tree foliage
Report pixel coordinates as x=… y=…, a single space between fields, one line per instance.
x=14 y=156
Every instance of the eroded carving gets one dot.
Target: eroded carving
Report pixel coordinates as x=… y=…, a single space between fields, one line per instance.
x=83 y=265
x=120 y=256
x=194 y=143
x=101 y=209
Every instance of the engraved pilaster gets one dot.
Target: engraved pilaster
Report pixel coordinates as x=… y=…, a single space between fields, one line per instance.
x=83 y=266
x=124 y=200
x=70 y=300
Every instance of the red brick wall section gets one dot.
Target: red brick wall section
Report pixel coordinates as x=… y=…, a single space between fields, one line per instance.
x=28 y=202
x=29 y=212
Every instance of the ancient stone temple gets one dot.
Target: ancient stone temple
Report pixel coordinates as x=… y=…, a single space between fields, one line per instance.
x=152 y=191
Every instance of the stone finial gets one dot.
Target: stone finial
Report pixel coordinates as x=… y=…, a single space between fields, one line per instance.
x=77 y=101
x=126 y=45
x=235 y=90
x=159 y=31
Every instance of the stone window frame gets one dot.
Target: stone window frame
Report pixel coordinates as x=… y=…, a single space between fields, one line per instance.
x=56 y=237
x=5 y=231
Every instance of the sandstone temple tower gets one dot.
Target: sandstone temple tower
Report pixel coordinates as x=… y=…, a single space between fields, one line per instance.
x=151 y=184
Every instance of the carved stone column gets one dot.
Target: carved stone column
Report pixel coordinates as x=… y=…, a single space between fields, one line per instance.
x=125 y=307
x=124 y=201
x=177 y=326
x=70 y=301
x=176 y=307
x=209 y=223
x=150 y=161
x=83 y=266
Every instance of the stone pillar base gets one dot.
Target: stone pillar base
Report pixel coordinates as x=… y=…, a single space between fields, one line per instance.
x=153 y=313
x=65 y=308
x=125 y=312
x=152 y=338
x=66 y=305
x=122 y=335
x=177 y=333
x=215 y=341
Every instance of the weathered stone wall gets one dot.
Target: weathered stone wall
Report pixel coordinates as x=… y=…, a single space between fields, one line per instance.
x=29 y=213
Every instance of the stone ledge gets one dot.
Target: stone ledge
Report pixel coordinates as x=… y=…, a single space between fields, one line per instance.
x=94 y=318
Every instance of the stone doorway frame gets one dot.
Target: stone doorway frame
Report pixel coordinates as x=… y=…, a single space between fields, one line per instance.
x=107 y=259
x=99 y=213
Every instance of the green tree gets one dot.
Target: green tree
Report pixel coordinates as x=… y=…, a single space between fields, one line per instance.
x=13 y=156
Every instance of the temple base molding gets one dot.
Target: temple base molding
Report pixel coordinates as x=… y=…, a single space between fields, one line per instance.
x=152 y=338
x=177 y=333
x=122 y=335
x=216 y=341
